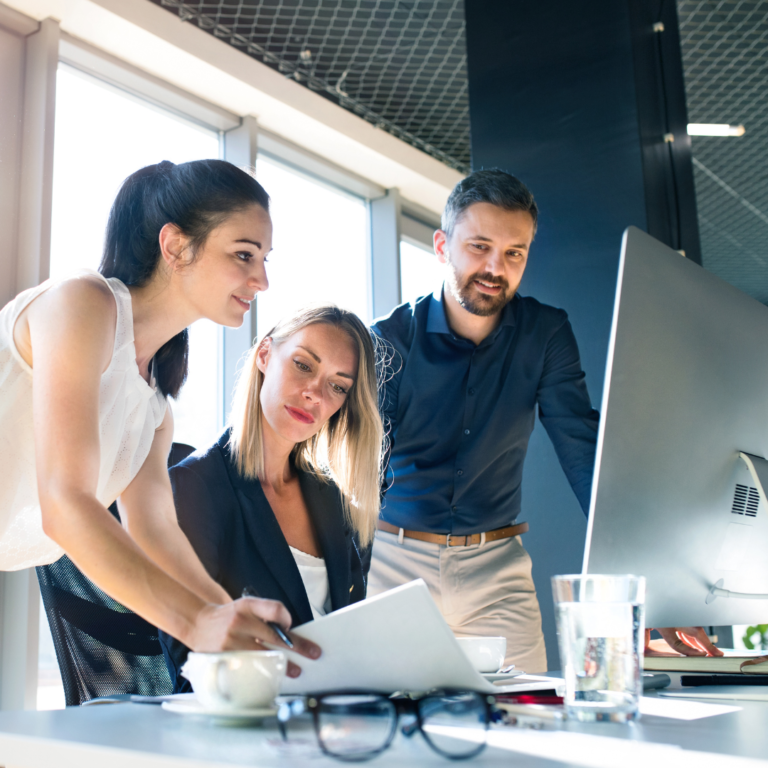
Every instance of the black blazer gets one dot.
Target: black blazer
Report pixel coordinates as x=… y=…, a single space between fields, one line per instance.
x=231 y=526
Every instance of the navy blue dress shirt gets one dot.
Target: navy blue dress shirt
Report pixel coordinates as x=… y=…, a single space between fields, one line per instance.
x=460 y=415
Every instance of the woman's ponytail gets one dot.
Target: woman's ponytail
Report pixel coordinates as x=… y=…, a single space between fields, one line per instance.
x=197 y=197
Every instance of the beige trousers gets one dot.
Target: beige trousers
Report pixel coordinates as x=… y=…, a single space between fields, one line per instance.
x=481 y=590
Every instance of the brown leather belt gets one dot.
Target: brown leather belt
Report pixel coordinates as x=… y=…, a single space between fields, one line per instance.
x=451 y=539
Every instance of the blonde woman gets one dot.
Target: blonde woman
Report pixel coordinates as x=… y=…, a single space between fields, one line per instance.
x=284 y=505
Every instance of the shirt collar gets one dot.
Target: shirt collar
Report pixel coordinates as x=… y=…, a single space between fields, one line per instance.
x=437 y=322
x=436 y=319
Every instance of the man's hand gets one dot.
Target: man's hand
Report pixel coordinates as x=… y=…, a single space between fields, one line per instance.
x=689 y=641
x=241 y=625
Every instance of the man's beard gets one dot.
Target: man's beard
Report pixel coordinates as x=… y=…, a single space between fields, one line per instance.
x=471 y=299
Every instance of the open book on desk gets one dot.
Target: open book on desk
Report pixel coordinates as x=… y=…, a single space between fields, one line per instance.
x=396 y=641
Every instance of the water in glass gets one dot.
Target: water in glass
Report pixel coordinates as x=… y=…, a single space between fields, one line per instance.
x=600 y=624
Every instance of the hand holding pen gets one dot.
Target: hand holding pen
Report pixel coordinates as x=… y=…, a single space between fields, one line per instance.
x=244 y=624
x=295 y=643
x=273 y=625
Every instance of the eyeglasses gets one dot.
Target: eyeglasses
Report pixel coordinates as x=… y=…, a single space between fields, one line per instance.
x=357 y=726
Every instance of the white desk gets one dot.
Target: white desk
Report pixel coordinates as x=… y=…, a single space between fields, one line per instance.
x=131 y=735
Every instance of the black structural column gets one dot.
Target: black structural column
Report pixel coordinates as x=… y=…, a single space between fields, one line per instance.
x=584 y=102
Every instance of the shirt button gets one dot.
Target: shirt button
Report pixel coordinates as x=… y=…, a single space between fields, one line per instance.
x=459 y=471
x=471 y=390
x=466 y=431
x=454 y=509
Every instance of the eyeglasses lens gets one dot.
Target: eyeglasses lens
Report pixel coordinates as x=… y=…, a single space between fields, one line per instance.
x=455 y=725
x=354 y=726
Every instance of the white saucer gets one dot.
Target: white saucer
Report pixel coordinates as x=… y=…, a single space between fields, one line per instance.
x=194 y=707
x=495 y=677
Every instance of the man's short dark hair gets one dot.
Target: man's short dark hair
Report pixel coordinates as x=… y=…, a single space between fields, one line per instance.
x=492 y=186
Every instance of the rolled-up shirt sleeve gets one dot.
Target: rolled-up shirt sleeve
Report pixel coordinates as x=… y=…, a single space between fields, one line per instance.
x=566 y=412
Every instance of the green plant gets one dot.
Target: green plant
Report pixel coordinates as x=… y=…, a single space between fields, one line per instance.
x=761 y=630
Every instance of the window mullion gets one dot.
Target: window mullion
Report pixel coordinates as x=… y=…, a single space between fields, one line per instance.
x=240 y=148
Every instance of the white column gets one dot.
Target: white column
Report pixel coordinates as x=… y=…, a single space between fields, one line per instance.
x=14 y=27
x=29 y=83
x=385 y=252
x=11 y=98
x=20 y=612
x=240 y=147
x=36 y=187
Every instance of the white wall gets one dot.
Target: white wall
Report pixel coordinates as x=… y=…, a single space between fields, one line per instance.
x=28 y=52
x=11 y=97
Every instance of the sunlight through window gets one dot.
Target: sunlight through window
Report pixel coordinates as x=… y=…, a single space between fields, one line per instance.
x=320 y=246
x=420 y=271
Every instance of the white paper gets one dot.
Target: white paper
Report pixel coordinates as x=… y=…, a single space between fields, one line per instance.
x=392 y=642
x=682 y=710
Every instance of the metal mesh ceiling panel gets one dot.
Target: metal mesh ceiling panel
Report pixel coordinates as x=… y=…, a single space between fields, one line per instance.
x=400 y=65
x=725 y=57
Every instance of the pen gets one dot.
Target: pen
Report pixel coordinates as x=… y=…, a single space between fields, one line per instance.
x=276 y=628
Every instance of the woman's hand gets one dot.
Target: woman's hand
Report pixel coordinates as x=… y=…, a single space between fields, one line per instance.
x=241 y=625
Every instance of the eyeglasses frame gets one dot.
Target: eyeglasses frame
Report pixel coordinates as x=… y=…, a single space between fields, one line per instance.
x=402 y=705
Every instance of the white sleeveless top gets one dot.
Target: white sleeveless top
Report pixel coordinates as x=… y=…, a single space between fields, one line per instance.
x=130 y=410
x=314 y=574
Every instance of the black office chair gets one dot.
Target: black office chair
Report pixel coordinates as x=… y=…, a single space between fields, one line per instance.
x=102 y=648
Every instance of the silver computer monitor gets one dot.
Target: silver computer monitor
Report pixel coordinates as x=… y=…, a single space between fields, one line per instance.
x=686 y=392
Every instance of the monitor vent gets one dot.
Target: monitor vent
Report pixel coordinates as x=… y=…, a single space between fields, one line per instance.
x=746 y=500
x=753 y=502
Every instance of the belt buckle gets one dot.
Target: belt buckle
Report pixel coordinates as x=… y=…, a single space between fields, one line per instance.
x=449 y=536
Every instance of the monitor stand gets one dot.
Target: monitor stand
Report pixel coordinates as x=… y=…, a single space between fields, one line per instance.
x=758 y=468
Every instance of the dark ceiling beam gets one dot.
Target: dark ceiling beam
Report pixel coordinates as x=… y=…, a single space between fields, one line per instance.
x=670 y=198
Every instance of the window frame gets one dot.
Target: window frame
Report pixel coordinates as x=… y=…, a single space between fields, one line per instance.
x=144 y=86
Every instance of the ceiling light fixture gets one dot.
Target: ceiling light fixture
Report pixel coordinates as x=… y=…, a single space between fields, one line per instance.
x=714 y=129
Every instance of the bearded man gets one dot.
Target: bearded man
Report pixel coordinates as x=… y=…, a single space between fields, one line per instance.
x=471 y=364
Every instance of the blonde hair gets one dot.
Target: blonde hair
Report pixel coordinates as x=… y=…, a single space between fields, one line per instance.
x=348 y=448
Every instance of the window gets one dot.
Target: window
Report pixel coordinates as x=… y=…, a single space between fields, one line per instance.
x=103 y=135
x=320 y=246
x=420 y=271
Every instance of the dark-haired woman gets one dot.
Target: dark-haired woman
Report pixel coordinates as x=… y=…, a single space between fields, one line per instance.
x=86 y=365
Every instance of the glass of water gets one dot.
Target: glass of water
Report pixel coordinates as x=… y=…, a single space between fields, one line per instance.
x=600 y=631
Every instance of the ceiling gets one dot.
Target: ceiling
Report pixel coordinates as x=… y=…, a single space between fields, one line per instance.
x=401 y=65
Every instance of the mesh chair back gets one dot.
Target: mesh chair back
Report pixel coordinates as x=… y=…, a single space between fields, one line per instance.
x=102 y=647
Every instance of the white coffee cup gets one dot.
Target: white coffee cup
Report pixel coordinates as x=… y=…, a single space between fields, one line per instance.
x=235 y=680
x=485 y=653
